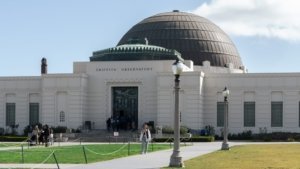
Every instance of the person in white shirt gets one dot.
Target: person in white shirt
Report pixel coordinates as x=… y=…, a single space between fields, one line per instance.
x=145 y=138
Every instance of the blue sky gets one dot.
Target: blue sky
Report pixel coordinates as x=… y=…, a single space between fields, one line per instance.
x=70 y=30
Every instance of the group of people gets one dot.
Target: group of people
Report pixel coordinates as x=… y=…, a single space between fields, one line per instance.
x=42 y=135
x=115 y=123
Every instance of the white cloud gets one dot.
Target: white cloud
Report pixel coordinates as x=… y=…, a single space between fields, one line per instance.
x=266 y=18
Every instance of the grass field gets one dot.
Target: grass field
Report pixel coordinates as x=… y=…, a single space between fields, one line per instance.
x=271 y=156
x=75 y=154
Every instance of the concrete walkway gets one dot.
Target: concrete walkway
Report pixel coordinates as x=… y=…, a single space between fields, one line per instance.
x=149 y=161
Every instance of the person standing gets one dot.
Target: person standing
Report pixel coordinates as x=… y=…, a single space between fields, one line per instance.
x=145 y=138
x=108 y=124
x=46 y=135
x=35 y=134
x=51 y=136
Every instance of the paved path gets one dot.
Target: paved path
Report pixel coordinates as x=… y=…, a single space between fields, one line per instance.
x=149 y=161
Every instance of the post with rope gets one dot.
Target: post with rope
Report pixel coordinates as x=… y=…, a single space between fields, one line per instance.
x=55 y=160
x=84 y=154
x=128 y=148
x=22 y=153
x=152 y=145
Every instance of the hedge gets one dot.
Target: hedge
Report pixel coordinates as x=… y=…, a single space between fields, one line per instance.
x=13 y=138
x=192 y=139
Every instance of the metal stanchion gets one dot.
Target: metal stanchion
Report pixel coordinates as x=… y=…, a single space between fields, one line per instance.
x=84 y=155
x=152 y=146
x=56 y=160
x=22 y=154
x=128 y=147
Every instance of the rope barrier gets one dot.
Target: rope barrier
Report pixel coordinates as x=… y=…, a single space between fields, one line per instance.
x=11 y=151
x=14 y=145
x=106 y=153
x=75 y=140
x=38 y=165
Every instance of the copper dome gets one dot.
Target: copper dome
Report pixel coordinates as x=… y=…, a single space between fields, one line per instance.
x=195 y=37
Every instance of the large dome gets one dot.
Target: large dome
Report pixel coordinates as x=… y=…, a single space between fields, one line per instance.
x=195 y=37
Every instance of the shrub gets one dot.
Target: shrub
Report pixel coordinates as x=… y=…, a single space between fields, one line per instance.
x=203 y=139
x=27 y=129
x=167 y=130
x=192 y=139
x=59 y=129
x=1 y=131
x=210 y=130
x=278 y=136
x=183 y=130
x=76 y=130
x=13 y=138
x=245 y=135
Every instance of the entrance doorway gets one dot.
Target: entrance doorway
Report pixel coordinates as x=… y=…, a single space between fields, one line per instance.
x=125 y=107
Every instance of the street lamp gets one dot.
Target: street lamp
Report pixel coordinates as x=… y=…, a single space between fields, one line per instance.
x=225 y=145
x=176 y=159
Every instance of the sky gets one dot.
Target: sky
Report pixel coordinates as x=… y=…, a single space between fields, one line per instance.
x=265 y=32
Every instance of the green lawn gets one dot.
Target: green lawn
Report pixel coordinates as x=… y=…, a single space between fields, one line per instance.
x=75 y=154
x=271 y=156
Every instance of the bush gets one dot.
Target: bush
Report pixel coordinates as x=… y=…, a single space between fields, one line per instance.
x=76 y=130
x=192 y=139
x=210 y=130
x=203 y=139
x=13 y=138
x=263 y=136
x=184 y=130
x=169 y=130
x=59 y=129
x=277 y=136
x=1 y=131
x=27 y=129
x=245 y=135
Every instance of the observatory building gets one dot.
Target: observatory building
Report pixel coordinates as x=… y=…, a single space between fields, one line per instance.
x=134 y=82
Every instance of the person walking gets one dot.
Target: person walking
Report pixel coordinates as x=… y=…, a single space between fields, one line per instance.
x=145 y=138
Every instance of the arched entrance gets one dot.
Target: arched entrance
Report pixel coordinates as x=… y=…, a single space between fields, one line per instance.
x=125 y=107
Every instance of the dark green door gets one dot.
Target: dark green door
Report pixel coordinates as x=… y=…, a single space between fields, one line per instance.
x=125 y=106
x=33 y=113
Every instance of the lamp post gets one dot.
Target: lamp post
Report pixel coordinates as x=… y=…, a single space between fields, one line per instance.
x=176 y=159
x=225 y=145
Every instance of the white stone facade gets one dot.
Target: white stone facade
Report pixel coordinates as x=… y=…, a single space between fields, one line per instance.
x=86 y=95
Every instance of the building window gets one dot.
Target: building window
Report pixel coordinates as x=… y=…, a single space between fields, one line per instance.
x=62 y=116
x=249 y=114
x=10 y=114
x=33 y=113
x=276 y=114
x=220 y=114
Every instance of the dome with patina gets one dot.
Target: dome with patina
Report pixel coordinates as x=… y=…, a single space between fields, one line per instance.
x=136 y=49
x=195 y=37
